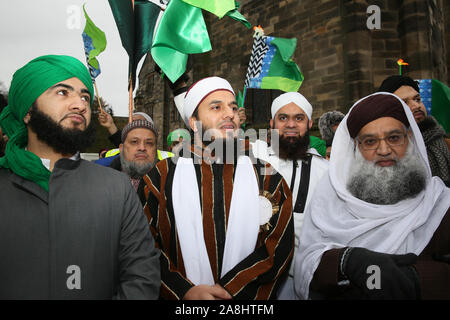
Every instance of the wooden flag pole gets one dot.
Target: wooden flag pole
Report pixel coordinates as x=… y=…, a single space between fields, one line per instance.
x=98 y=98
x=130 y=102
x=130 y=91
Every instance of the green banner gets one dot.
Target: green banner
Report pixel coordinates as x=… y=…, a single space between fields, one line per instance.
x=182 y=31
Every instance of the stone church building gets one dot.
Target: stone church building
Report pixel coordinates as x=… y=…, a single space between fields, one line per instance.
x=342 y=60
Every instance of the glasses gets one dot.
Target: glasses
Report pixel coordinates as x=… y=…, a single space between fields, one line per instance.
x=393 y=140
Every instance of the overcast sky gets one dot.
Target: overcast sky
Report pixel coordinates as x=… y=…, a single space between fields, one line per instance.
x=30 y=28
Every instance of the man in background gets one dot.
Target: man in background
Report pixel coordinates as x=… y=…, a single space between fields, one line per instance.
x=433 y=134
x=300 y=165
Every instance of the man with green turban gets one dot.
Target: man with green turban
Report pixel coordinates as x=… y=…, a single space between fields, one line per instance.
x=64 y=232
x=177 y=136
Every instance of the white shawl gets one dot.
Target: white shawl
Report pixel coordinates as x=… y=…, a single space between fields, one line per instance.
x=243 y=222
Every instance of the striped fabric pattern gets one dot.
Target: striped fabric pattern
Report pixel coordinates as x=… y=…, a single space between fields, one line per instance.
x=257 y=276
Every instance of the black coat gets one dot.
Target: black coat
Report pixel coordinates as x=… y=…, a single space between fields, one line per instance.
x=87 y=238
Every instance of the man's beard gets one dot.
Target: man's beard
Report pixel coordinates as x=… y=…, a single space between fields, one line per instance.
x=133 y=169
x=62 y=140
x=387 y=185
x=294 y=148
x=219 y=148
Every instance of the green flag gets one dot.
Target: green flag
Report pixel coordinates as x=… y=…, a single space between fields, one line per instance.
x=217 y=7
x=240 y=99
x=271 y=66
x=283 y=73
x=136 y=27
x=236 y=15
x=441 y=104
x=221 y=8
x=182 y=31
x=94 y=41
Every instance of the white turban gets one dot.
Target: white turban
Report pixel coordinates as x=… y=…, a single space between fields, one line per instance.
x=144 y=115
x=294 y=97
x=199 y=91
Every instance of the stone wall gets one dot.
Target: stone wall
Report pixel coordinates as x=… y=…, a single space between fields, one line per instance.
x=340 y=58
x=446 y=5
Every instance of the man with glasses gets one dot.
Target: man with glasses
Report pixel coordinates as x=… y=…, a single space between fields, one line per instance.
x=434 y=136
x=378 y=224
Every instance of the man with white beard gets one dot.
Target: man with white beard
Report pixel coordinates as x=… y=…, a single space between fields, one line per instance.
x=137 y=152
x=378 y=225
x=389 y=184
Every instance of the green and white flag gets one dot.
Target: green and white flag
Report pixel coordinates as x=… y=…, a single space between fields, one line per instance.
x=271 y=66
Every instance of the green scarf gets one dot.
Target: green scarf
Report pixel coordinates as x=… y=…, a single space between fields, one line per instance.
x=28 y=83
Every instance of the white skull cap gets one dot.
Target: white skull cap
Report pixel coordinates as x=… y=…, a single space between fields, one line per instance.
x=199 y=91
x=294 y=97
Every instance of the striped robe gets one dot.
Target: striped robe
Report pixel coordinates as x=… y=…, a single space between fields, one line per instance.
x=256 y=277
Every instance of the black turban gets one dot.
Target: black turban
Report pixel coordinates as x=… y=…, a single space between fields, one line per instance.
x=372 y=108
x=392 y=83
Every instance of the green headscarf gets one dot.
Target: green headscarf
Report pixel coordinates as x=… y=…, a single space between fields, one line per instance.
x=28 y=83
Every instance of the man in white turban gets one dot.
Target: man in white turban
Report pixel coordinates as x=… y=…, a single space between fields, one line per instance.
x=222 y=220
x=378 y=224
x=301 y=166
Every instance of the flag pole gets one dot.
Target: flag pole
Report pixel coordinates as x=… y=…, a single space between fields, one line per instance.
x=98 y=97
x=130 y=101
x=245 y=92
x=130 y=91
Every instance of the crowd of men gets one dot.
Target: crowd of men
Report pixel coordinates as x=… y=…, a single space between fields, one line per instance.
x=220 y=216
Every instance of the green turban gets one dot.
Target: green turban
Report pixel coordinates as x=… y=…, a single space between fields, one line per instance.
x=176 y=134
x=319 y=145
x=28 y=83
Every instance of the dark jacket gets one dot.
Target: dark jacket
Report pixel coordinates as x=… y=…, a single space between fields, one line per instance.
x=437 y=149
x=90 y=226
x=432 y=266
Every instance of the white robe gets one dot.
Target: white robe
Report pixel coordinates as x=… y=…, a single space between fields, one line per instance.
x=319 y=167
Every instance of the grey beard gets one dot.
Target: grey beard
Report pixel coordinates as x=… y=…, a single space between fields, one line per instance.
x=133 y=169
x=387 y=185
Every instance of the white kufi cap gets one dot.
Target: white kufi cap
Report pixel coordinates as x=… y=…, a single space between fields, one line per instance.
x=294 y=97
x=199 y=91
